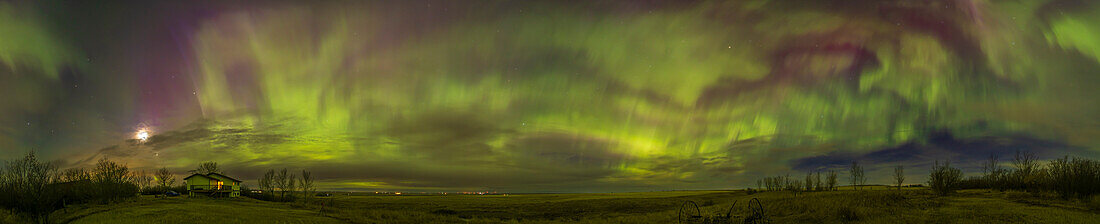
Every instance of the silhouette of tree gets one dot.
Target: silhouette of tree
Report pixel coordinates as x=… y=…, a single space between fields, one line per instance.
x=207 y=167
x=899 y=176
x=857 y=175
x=165 y=178
x=831 y=181
x=74 y=174
x=944 y=179
x=25 y=184
x=306 y=185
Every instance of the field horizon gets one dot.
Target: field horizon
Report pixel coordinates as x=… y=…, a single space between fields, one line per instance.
x=876 y=205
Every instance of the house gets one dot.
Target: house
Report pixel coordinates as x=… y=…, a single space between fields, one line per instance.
x=213 y=184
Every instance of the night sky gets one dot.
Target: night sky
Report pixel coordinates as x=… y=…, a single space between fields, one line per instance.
x=549 y=96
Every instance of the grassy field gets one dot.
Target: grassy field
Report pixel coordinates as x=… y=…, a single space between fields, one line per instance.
x=190 y=210
x=869 y=206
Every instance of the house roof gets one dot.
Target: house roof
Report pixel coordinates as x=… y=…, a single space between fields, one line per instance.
x=221 y=175
x=193 y=175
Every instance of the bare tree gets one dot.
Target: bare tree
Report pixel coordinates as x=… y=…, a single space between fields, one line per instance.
x=1027 y=170
x=165 y=178
x=110 y=171
x=818 y=185
x=113 y=181
x=810 y=181
x=944 y=179
x=291 y=186
x=23 y=187
x=1025 y=162
x=990 y=165
x=899 y=176
x=857 y=175
x=306 y=184
x=267 y=183
x=74 y=174
x=280 y=182
x=831 y=181
x=789 y=183
x=142 y=179
x=206 y=168
x=992 y=172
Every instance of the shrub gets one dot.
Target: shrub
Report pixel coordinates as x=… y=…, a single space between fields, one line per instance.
x=992 y=176
x=25 y=187
x=113 y=181
x=1078 y=177
x=1028 y=175
x=857 y=177
x=944 y=179
x=830 y=184
x=74 y=174
x=974 y=183
x=848 y=214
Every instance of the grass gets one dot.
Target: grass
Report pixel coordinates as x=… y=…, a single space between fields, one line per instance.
x=190 y=210
x=913 y=205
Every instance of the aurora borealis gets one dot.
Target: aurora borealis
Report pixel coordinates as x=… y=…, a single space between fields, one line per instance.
x=549 y=96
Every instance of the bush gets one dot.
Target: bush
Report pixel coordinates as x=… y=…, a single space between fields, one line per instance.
x=1078 y=177
x=1028 y=175
x=973 y=183
x=35 y=188
x=944 y=179
x=1069 y=178
x=26 y=187
x=113 y=181
x=848 y=214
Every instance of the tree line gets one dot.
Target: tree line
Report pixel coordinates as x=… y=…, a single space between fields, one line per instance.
x=288 y=187
x=33 y=188
x=1068 y=177
x=813 y=182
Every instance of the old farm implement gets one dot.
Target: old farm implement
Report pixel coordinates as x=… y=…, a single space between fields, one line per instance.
x=690 y=214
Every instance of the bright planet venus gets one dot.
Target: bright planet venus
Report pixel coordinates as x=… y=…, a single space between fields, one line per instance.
x=549 y=96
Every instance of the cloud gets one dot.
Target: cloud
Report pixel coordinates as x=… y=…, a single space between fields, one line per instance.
x=443 y=135
x=969 y=152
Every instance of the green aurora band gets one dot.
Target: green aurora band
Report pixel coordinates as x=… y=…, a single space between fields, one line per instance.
x=546 y=97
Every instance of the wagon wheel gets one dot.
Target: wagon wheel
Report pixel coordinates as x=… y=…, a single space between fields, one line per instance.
x=756 y=212
x=689 y=213
x=755 y=207
x=729 y=214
